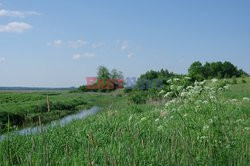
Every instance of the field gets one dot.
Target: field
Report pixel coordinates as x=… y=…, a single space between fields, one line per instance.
x=28 y=108
x=202 y=126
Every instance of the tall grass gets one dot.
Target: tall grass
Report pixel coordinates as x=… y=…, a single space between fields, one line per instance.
x=203 y=128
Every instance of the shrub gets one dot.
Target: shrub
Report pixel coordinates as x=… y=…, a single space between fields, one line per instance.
x=138 y=97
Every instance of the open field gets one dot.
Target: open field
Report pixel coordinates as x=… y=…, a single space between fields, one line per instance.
x=205 y=129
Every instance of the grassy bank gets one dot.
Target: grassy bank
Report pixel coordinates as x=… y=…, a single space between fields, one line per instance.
x=205 y=128
x=25 y=108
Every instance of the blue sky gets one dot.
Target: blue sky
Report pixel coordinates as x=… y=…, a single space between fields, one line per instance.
x=58 y=43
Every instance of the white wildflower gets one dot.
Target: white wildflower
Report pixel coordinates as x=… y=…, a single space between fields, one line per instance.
x=203 y=82
x=205 y=102
x=220 y=89
x=196 y=83
x=179 y=88
x=174 y=101
x=169 y=81
x=169 y=94
x=167 y=104
x=187 y=78
x=162 y=91
x=239 y=120
x=234 y=100
x=212 y=98
x=184 y=94
x=211 y=121
x=207 y=88
x=176 y=79
x=246 y=99
x=160 y=128
x=247 y=128
x=130 y=118
x=202 y=137
x=226 y=87
x=197 y=88
x=172 y=87
x=205 y=127
x=214 y=80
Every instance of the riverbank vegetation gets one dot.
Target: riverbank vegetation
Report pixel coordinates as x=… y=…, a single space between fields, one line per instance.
x=185 y=122
x=21 y=109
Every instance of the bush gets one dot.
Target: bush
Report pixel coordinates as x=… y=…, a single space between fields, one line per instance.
x=138 y=97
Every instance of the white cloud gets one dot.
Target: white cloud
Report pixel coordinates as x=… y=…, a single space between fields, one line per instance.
x=56 y=43
x=2 y=60
x=77 y=44
x=124 y=45
x=20 y=14
x=76 y=56
x=85 y=55
x=17 y=27
x=89 y=55
x=72 y=44
x=98 y=45
x=130 y=55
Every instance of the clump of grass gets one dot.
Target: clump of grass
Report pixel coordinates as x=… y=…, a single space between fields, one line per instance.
x=243 y=80
x=234 y=81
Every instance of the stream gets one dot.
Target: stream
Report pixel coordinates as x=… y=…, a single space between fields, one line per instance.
x=61 y=122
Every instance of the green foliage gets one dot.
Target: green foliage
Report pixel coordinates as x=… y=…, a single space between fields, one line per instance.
x=196 y=71
x=138 y=97
x=115 y=74
x=163 y=74
x=103 y=75
x=214 y=70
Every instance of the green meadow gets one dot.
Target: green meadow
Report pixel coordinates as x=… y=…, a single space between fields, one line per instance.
x=202 y=125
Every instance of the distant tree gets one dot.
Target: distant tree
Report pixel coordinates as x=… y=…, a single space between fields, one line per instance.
x=115 y=74
x=103 y=73
x=150 y=75
x=117 y=78
x=230 y=70
x=214 y=70
x=196 y=71
x=207 y=70
x=243 y=73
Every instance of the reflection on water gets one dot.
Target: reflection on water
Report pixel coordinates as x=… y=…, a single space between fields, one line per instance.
x=62 y=122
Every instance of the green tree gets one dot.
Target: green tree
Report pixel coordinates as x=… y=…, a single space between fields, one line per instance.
x=115 y=74
x=103 y=73
x=230 y=70
x=117 y=78
x=196 y=71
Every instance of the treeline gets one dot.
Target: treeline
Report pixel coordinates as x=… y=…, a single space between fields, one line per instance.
x=198 y=71
x=152 y=82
